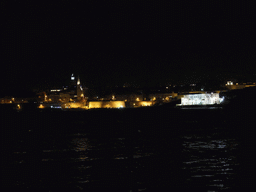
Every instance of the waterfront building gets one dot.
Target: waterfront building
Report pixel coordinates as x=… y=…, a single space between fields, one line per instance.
x=201 y=99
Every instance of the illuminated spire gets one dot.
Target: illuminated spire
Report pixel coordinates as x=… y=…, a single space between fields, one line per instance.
x=78 y=81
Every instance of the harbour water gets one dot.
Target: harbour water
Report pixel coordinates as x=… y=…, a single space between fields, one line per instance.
x=126 y=150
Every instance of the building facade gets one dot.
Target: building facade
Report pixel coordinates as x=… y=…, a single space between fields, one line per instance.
x=201 y=99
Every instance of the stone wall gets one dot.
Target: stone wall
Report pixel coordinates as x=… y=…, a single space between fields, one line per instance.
x=106 y=104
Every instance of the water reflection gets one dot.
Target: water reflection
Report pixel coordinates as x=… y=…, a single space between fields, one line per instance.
x=208 y=157
x=80 y=144
x=83 y=159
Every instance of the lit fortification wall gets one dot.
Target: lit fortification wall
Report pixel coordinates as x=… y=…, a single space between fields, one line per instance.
x=73 y=105
x=141 y=103
x=106 y=104
x=201 y=99
x=145 y=103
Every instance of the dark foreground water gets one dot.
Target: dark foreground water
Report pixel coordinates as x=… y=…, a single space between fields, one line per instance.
x=125 y=150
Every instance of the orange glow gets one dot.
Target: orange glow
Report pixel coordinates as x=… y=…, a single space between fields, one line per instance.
x=73 y=105
x=106 y=104
x=41 y=106
x=145 y=103
x=137 y=99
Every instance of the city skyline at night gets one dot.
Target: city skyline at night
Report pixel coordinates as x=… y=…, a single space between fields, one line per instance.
x=129 y=95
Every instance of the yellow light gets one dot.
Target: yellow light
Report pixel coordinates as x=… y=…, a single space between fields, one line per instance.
x=82 y=95
x=13 y=99
x=10 y=101
x=41 y=106
x=133 y=103
x=137 y=99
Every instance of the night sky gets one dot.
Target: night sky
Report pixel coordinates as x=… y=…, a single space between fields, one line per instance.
x=113 y=42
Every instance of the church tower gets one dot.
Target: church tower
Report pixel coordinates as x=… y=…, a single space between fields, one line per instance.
x=72 y=86
x=79 y=90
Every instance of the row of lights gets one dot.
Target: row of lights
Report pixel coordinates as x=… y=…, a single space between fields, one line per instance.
x=53 y=90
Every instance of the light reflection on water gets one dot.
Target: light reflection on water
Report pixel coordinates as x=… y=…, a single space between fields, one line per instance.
x=209 y=157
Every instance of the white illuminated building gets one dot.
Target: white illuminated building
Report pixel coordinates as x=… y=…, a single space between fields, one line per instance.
x=201 y=99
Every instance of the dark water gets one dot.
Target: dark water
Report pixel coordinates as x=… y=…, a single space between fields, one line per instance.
x=123 y=149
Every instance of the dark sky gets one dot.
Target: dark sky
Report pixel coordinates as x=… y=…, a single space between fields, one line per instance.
x=111 y=42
